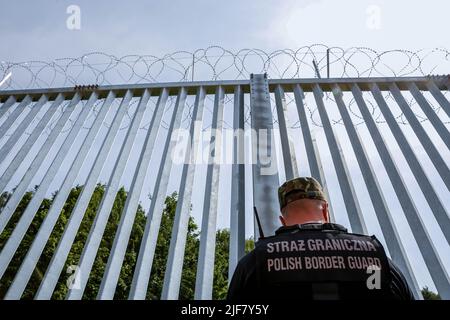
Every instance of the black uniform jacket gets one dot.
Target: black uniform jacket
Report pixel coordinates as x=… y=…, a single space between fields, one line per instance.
x=244 y=283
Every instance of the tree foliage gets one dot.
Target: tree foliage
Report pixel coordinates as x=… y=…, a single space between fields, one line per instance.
x=187 y=286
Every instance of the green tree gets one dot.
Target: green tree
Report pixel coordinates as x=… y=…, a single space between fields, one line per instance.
x=187 y=286
x=220 y=283
x=429 y=295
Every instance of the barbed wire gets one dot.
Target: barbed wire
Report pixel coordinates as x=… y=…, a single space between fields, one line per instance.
x=218 y=63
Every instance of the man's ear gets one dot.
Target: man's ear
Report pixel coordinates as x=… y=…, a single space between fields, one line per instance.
x=326 y=214
x=283 y=222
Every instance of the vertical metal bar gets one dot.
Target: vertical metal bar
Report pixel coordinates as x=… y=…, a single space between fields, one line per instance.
x=323 y=180
x=193 y=65
x=439 y=96
x=435 y=157
x=379 y=203
x=237 y=208
x=45 y=229
x=6 y=105
x=27 y=217
x=425 y=185
x=312 y=152
x=347 y=189
x=58 y=260
x=118 y=250
x=205 y=265
x=4 y=127
x=174 y=267
x=316 y=68
x=290 y=162
x=429 y=253
x=144 y=263
x=438 y=125
x=264 y=160
x=94 y=238
x=328 y=62
x=11 y=205
x=37 y=131
x=19 y=131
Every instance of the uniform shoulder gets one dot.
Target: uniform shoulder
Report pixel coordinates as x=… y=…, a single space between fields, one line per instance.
x=243 y=281
x=248 y=259
x=399 y=285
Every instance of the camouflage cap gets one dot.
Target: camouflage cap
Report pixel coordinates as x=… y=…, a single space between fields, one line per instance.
x=299 y=188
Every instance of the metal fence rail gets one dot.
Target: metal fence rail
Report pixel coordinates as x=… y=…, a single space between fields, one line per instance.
x=72 y=108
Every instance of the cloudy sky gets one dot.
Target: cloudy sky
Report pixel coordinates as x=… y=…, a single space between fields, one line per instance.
x=38 y=30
